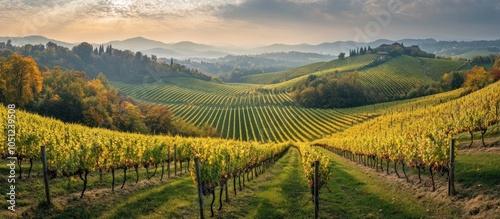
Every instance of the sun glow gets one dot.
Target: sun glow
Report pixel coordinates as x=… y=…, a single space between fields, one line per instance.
x=121 y=3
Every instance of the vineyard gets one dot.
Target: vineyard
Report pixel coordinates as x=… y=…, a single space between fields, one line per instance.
x=419 y=138
x=434 y=68
x=78 y=150
x=252 y=112
x=409 y=104
x=243 y=113
x=319 y=68
x=397 y=136
x=391 y=77
x=270 y=148
x=396 y=77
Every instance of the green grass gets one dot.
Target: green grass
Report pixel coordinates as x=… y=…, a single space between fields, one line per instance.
x=319 y=69
x=280 y=192
x=65 y=192
x=472 y=53
x=478 y=170
x=173 y=200
x=283 y=192
x=361 y=194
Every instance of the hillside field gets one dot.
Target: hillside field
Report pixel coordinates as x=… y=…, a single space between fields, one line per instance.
x=267 y=113
x=386 y=160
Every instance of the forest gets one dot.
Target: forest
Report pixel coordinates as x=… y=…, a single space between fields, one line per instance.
x=71 y=96
x=115 y=64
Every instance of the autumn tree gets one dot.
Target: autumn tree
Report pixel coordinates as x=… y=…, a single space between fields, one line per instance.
x=129 y=117
x=495 y=70
x=62 y=95
x=2 y=80
x=20 y=80
x=477 y=78
x=308 y=97
x=97 y=103
x=452 y=80
x=104 y=80
x=158 y=119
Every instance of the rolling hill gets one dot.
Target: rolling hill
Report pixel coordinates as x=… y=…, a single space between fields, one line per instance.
x=243 y=111
x=319 y=68
x=405 y=133
x=394 y=76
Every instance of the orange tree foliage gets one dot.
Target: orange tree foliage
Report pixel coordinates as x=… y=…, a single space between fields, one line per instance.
x=477 y=78
x=71 y=96
x=495 y=71
x=20 y=80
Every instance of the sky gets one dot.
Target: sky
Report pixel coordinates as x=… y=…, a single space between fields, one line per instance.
x=251 y=22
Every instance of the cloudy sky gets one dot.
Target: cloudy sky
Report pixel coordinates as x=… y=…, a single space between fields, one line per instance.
x=251 y=22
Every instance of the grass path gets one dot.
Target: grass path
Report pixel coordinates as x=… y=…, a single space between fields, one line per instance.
x=361 y=193
x=280 y=192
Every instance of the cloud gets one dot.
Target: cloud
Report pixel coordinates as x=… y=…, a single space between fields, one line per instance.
x=448 y=19
x=251 y=20
x=288 y=11
x=467 y=11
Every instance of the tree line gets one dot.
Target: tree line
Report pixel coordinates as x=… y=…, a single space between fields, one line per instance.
x=393 y=50
x=118 y=65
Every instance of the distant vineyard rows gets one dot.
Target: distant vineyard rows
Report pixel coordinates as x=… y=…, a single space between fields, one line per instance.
x=247 y=115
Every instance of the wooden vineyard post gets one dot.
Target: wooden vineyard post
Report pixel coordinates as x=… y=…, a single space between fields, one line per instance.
x=227 y=179
x=451 y=177
x=198 y=182
x=168 y=163
x=175 y=160
x=45 y=176
x=316 y=189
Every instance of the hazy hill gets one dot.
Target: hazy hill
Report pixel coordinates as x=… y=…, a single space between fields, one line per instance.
x=253 y=64
x=34 y=40
x=186 y=49
x=440 y=48
x=190 y=46
x=161 y=52
x=333 y=48
x=137 y=44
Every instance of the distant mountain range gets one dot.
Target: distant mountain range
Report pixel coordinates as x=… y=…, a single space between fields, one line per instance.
x=186 y=49
x=21 y=41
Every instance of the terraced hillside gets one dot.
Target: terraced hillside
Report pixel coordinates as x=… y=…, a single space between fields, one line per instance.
x=434 y=68
x=242 y=111
x=319 y=68
x=391 y=77
x=257 y=112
